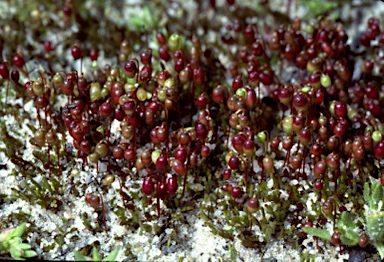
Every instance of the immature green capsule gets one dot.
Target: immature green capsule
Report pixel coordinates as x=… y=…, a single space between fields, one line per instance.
x=127 y=132
x=95 y=91
x=38 y=87
x=94 y=157
x=332 y=108
x=287 y=125
x=170 y=82
x=325 y=81
x=104 y=92
x=100 y=129
x=352 y=113
x=241 y=92
x=57 y=80
x=129 y=87
x=306 y=89
x=261 y=136
x=155 y=155
x=174 y=42
x=376 y=136
x=162 y=95
x=141 y=94
x=108 y=180
x=102 y=149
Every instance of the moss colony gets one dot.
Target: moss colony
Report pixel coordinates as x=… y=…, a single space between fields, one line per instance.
x=134 y=128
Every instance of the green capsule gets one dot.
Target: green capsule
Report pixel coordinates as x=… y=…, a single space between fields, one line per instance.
x=162 y=95
x=131 y=80
x=376 y=136
x=104 y=92
x=380 y=127
x=170 y=82
x=352 y=112
x=305 y=89
x=332 y=108
x=141 y=94
x=287 y=125
x=325 y=81
x=95 y=91
x=241 y=92
x=100 y=129
x=101 y=149
x=155 y=155
x=110 y=78
x=38 y=87
x=128 y=87
x=57 y=80
x=174 y=42
x=261 y=136
x=368 y=129
x=109 y=179
x=93 y=157
x=127 y=132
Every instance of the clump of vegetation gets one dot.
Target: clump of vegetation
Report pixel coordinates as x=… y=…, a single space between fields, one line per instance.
x=347 y=232
x=12 y=243
x=270 y=129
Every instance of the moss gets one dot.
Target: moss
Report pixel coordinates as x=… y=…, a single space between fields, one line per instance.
x=51 y=178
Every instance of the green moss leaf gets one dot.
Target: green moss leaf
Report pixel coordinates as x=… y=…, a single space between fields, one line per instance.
x=351 y=239
x=347 y=220
x=79 y=256
x=377 y=194
x=23 y=246
x=29 y=253
x=380 y=248
x=95 y=254
x=374 y=221
x=15 y=253
x=112 y=256
x=345 y=223
x=18 y=231
x=322 y=233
